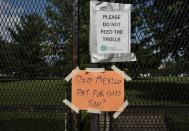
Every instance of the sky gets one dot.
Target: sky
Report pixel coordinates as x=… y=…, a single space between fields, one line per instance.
x=12 y=10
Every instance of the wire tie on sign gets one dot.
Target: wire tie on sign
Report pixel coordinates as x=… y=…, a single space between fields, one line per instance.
x=125 y=76
x=72 y=106
x=120 y=110
x=98 y=70
x=73 y=73
x=94 y=111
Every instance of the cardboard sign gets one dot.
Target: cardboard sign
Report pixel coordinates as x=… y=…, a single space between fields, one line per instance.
x=104 y=91
x=113 y=32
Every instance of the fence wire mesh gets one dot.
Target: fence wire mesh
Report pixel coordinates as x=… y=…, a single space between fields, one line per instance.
x=35 y=55
x=158 y=94
x=33 y=63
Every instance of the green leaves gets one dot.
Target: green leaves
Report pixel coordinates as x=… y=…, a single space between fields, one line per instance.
x=28 y=37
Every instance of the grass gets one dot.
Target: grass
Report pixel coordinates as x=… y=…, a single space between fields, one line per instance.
x=17 y=121
x=183 y=80
x=32 y=125
x=157 y=92
x=149 y=91
x=36 y=92
x=168 y=91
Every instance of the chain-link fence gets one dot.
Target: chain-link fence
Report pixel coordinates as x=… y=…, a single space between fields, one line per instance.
x=158 y=94
x=35 y=55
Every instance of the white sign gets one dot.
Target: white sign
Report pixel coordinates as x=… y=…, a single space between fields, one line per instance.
x=113 y=32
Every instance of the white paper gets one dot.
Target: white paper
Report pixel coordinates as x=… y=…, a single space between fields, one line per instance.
x=113 y=32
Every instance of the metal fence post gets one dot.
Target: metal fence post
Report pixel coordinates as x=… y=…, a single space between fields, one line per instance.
x=94 y=122
x=94 y=118
x=75 y=60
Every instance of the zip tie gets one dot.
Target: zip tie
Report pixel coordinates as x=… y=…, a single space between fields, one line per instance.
x=74 y=72
x=120 y=110
x=125 y=76
x=72 y=106
x=94 y=111
x=95 y=69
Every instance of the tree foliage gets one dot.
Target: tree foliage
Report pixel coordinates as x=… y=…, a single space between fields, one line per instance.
x=159 y=38
x=155 y=38
x=6 y=58
x=168 y=21
x=27 y=37
x=59 y=32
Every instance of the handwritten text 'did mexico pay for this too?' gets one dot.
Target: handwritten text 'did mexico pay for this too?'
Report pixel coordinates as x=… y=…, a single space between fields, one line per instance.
x=92 y=90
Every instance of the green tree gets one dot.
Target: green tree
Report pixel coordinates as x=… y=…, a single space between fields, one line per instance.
x=141 y=40
x=155 y=37
x=160 y=34
x=28 y=37
x=168 y=24
x=59 y=34
x=6 y=58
